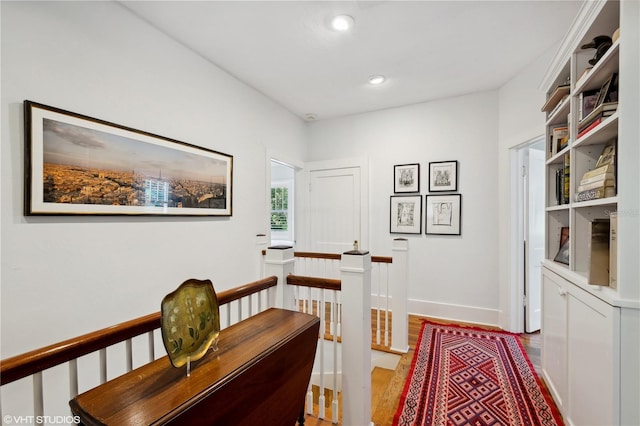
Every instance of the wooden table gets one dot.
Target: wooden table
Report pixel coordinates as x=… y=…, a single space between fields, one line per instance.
x=259 y=375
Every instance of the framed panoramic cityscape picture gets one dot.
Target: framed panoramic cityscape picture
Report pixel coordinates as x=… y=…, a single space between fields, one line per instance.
x=76 y=164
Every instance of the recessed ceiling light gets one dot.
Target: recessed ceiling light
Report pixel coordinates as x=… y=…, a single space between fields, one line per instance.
x=377 y=79
x=342 y=23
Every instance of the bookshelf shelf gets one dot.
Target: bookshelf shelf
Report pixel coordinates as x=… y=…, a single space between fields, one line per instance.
x=606 y=130
x=600 y=71
x=590 y=291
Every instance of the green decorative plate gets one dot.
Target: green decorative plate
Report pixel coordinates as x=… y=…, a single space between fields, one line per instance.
x=190 y=321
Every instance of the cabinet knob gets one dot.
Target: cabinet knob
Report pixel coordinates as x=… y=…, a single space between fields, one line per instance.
x=562 y=292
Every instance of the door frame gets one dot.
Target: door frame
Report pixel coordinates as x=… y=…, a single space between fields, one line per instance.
x=362 y=163
x=516 y=264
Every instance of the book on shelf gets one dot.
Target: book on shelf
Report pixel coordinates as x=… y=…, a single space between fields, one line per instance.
x=559 y=138
x=613 y=250
x=599 y=178
x=556 y=97
x=602 y=180
x=596 y=193
x=599 y=252
x=560 y=186
x=599 y=171
x=594 y=185
x=609 y=108
x=566 y=190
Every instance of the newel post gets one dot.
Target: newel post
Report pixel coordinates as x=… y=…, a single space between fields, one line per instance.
x=355 y=274
x=399 y=297
x=279 y=261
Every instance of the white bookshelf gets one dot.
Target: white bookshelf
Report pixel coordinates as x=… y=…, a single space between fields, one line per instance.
x=590 y=334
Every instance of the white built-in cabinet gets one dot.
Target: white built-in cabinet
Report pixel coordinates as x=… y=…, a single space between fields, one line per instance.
x=590 y=337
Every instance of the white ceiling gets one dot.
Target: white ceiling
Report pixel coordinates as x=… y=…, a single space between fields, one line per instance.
x=427 y=49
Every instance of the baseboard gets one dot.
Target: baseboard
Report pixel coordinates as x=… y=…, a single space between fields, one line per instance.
x=445 y=311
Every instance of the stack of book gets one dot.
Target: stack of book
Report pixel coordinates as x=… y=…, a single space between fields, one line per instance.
x=595 y=117
x=601 y=181
x=562 y=181
x=556 y=98
x=559 y=139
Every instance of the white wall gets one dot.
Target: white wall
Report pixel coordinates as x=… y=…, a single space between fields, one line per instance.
x=64 y=276
x=450 y=276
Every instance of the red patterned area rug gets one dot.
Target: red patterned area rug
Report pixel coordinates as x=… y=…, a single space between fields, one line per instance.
x=468 y=376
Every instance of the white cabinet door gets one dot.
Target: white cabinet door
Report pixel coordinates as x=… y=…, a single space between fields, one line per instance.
x=592 y=369
x=554 y=335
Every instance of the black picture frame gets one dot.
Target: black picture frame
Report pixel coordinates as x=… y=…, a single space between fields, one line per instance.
x=406 y=178
x=443 y=214
x=405 y=214
x=80 y=165
x=443 y=176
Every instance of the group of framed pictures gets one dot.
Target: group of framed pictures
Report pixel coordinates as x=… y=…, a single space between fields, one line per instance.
x=443 y=212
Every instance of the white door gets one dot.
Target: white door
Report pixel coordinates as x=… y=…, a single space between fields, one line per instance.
x=335 y=209
x=534 y=237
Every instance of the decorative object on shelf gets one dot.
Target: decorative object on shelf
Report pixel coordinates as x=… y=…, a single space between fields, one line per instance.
x=601 y=43
x=190 y=322
x=609 y=86
x=406 y=178
x=443 y=176
x=76 y=164
x=443 y=214
x=599 y=252
x=406 y=214
x=564 y=251
x=587 y=102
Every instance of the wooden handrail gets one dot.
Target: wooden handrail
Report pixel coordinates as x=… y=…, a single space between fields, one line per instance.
x=326 y=283
x=334 y=256
x=314 y=255
x=20 y=366
x=337 y=256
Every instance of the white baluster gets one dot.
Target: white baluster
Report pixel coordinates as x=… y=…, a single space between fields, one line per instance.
x=334 y=403
x=152 y=346
x=102 y=358
x=38 y=397
x=321 y=409
x=386 y=306
x=129 y=354
x=73 y=378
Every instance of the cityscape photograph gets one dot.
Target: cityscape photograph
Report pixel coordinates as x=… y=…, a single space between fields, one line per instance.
x=88 y=166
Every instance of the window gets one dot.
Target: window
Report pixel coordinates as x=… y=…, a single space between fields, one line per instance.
x=282 y=184
x=279 y=209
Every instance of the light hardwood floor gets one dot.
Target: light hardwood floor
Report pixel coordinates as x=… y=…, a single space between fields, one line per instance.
x=387 y=385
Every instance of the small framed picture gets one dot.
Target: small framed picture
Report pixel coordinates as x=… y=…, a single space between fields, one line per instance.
x=443 y=214
x=443 y=176
x=406 y=214
x=406 y=178
x=565 y=247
